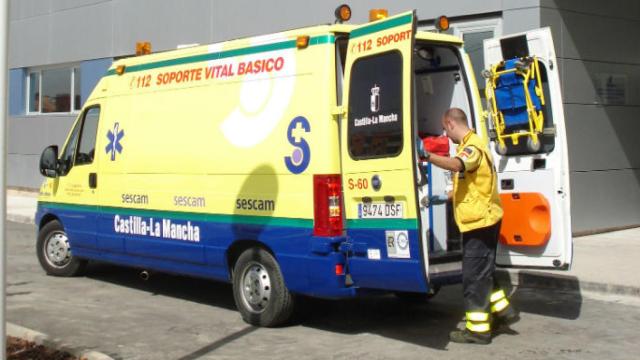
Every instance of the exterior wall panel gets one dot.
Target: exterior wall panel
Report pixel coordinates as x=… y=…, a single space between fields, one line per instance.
x=91 y=72
x=594 y=40
x=17 y=91
x=601 y=200
x=602 y=138
x=164 y=23
x=82 y=33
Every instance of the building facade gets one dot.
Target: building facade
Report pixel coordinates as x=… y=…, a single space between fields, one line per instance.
x=59 y=49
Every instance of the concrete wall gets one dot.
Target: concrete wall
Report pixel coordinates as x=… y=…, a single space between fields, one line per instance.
x=28 y=136
x=57 y=31
x=594 y=39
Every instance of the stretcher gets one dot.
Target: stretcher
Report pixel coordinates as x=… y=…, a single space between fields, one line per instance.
x=515 y=97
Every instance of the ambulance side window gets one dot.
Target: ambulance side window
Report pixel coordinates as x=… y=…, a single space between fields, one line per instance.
x=375 y=107
x=66 y=159
x=87 y=141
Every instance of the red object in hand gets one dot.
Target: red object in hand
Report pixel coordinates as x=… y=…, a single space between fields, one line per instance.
x=438 y=145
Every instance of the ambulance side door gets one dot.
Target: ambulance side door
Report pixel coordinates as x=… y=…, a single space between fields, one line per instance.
x=534 y=184
x=77 y=181
x=377 y=155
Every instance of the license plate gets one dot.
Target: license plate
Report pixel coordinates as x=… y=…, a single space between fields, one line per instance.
x=381 y=210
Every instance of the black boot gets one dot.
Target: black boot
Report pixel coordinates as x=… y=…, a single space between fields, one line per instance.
x=506 y=317
x=469 y=337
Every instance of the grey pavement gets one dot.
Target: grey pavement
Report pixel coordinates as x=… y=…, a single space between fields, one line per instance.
x=21 y=205
x=172 y=317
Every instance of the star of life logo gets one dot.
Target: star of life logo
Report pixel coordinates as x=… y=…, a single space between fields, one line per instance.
x=114 y=141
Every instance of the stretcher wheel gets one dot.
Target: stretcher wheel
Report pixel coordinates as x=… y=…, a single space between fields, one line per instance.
x=501 y=148
x=533 y=146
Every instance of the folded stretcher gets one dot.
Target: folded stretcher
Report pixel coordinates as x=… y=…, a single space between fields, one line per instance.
x=515 y=97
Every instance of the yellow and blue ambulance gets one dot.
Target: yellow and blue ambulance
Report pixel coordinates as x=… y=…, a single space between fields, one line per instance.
x=287 y=164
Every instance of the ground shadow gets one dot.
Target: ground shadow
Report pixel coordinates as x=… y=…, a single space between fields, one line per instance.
x=557 y=296
x=202 y=291
x=424 y=324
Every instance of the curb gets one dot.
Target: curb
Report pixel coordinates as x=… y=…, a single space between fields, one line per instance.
x=552 y=281
x=22 y=219
x=43 y=339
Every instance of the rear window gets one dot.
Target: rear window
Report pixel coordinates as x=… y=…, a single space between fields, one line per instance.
x=375 y=107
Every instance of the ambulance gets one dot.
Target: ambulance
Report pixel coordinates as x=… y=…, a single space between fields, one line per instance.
x=287 y=164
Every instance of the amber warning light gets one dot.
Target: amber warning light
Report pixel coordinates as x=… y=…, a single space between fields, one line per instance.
x=120 y=69
x=378 y=14
x=302 y=41
x=442 y=23
x=143 y=48
x=343 y=13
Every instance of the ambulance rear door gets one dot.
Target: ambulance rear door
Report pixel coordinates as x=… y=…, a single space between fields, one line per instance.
x=534 y=183
x=378 y=157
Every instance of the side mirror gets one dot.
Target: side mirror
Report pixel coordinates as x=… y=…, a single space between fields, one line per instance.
x=49 y=162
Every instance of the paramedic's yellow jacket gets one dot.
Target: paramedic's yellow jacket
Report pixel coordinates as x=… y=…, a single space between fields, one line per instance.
x=475 y=193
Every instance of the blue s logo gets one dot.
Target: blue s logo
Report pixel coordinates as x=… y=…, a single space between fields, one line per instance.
x=301 y=155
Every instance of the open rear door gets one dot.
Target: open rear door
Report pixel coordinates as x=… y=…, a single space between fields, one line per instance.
x=378 y=157
x=527 y=131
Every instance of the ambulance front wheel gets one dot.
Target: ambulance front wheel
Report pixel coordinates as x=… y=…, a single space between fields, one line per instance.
x=54 y=252
x=259 y=290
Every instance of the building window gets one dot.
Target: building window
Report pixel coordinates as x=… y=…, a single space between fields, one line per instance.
x=53 y=90
x=473 y=33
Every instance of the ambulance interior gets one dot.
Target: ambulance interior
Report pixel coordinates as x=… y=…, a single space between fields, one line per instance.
x=440 y=84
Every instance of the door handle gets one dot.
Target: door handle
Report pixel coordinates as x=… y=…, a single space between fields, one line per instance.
x=93 y=180
x=507 y=184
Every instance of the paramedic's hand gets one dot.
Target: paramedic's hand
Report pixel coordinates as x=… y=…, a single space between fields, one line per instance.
x=421 y=151
x=433 y=200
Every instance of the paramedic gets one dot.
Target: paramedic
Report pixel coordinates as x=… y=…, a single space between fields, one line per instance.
x=478 y=213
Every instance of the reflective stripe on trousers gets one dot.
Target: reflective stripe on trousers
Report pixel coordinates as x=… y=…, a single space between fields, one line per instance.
x=499 y=301
x=478 y=321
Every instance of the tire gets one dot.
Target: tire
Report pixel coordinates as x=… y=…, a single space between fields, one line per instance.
x=259 y=290
x=55 y=254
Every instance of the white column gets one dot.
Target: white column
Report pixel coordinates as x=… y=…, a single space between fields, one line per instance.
x=4 y=33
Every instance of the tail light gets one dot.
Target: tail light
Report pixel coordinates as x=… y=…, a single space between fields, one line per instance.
x=327 y=196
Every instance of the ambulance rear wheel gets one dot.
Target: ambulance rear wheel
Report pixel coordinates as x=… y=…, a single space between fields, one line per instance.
x=259 y=290
x=54 y=252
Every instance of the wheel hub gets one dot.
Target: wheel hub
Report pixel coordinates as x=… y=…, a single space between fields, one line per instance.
x=256 y=287
x=56 y=249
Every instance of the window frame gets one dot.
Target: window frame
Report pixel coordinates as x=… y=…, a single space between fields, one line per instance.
x=83 y=118
x=80 y=124
x=402 y=129
x=461 y=28
x=77 y=124
x=74 y=69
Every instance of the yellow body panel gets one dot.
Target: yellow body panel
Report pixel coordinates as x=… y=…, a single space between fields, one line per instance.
x=217 y=136
x=201 y=134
